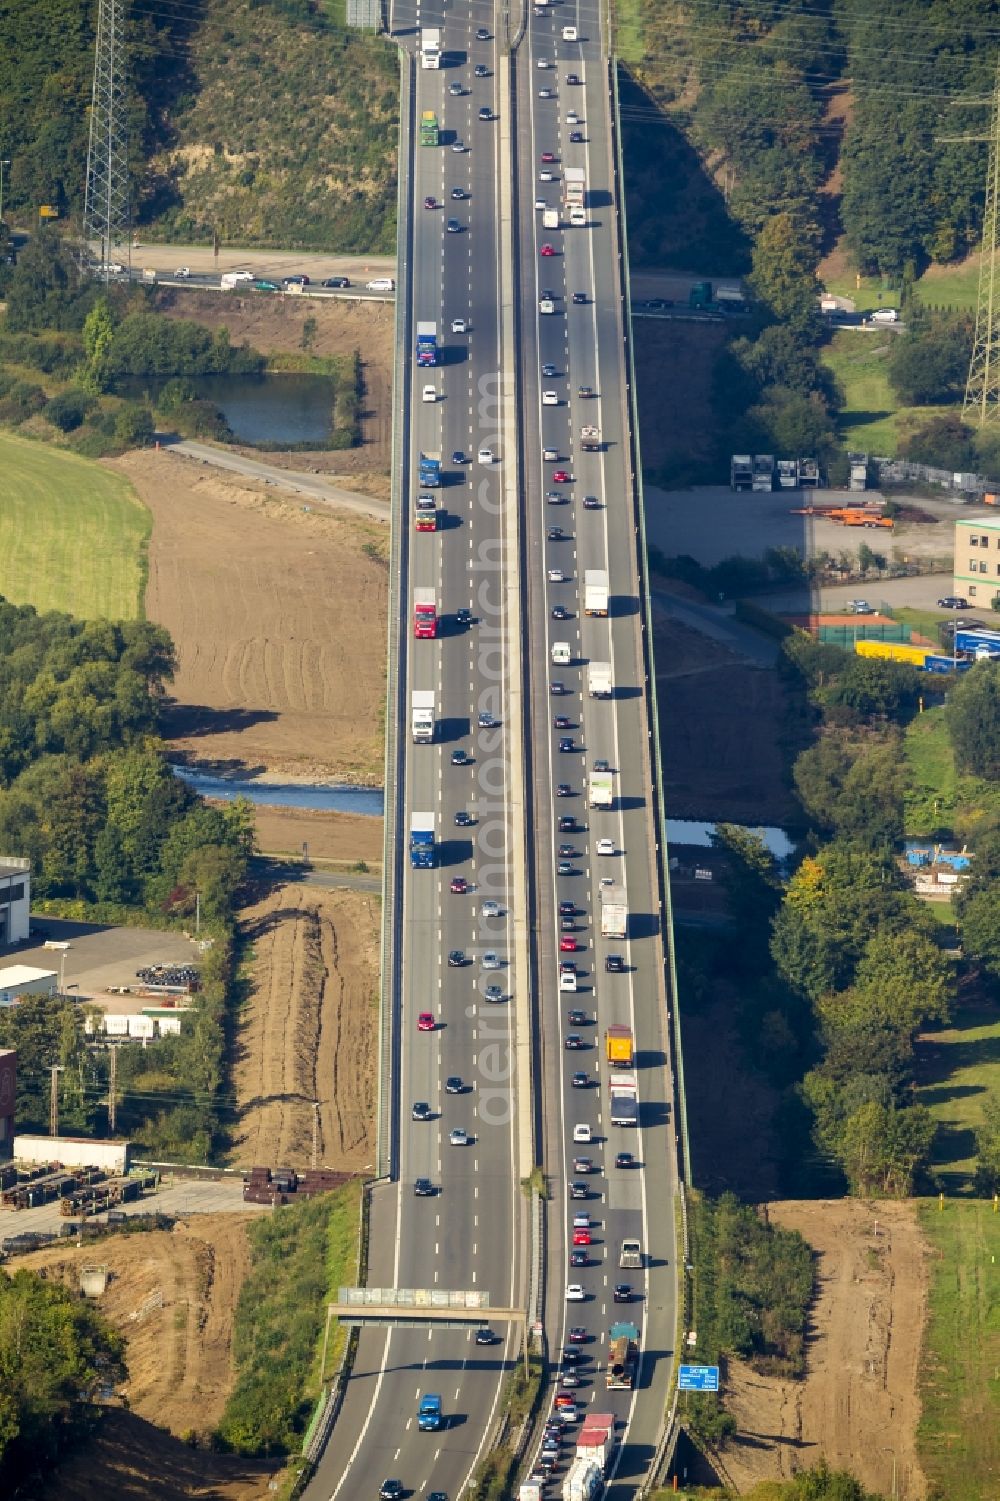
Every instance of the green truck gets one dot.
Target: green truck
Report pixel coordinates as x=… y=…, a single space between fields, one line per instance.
x=428 y=128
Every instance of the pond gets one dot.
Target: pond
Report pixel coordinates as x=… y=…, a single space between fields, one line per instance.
x=284 y=409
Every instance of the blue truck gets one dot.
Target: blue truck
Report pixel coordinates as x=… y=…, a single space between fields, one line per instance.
x=427 y=353
x=429 y=1415
x=422 y=841
x=981 y=642
x=430 y=471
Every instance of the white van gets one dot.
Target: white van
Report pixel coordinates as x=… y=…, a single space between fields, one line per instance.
x=560 y=654
x=582 y=1133
x=484 y=456
x=569 y=34
x=381 y=284
x=567 y=980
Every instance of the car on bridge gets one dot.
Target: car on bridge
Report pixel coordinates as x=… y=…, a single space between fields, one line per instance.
x=425 y=1022
x=561 y=477
x=421 y=1111
x=456 y=958
x=461 y=758
x=453 y=1085
x=423 y=1188
x=459 y=885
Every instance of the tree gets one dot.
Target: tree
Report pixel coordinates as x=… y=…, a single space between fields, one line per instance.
x=973 y=719
x=988 y=1147
x=98 y=342
x=818 y=1483
x=852 y=789
x=871 y=687
x=931 y=366
x=882 y=1149
x=943 y=443
x=134 y=425
x=784 y=275
x=979 y=928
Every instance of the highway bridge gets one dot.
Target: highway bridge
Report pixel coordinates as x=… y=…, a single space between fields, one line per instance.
x=525 y=510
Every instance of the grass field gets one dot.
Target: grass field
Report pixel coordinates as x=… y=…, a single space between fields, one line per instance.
x=940 y=796
x=72 y=535
x=871 y=293
x=868 y=421
x=959 y=1434
x=950 y=286
x=958 y=1067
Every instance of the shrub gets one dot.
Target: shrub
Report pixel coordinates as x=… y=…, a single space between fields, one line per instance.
x=67 y=410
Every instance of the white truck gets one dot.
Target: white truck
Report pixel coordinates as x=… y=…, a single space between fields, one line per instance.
x=595 y=591
x=584 y=1482
x=596 y=1440
x=550 y=218
x=590 y=438
x=614 y=912
x=574 y=187
x=599 y=679
x=741 y=471
x=422 y=715
x=599 y=791
x=430 y=47
x=763 y=471
x=624 y=1103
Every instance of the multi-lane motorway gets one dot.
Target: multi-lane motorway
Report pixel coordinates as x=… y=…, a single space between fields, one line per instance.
x=488 y=394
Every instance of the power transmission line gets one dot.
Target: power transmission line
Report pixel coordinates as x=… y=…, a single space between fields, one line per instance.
x=106 y=206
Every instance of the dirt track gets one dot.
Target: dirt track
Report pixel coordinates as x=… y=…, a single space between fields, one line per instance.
x=278 y=615
x=308 y=1029
x=859 y=1397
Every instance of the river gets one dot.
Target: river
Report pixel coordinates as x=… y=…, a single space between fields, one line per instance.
x=285 y=409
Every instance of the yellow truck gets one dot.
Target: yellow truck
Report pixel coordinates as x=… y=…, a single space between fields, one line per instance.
x=618 y=1046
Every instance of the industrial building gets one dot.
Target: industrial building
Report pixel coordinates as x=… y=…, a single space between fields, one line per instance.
x=15 y=900
x=20 y=980
x=977 y=561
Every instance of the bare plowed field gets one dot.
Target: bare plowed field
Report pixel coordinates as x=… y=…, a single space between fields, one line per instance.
x=343 y=837
x=278 y=615
x=307 y=1032
x=173 y=1295
x=858 y=1405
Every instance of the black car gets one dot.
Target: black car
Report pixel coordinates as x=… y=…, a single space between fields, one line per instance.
x=579 y=298
x=461 y=758
x=555 y=534
x=576 y=136
x=453 y=227
x=571 y=1356
x=565 y=743
x=421 y=1111
x=622 y=1293
x=562 y=722
x=453 y=1085
x=557 y=688
x=482 y=35
x=485 y=113
x=464 y=820
x=464 y=617
x=567 y=852
x=566 y=825
x=591 y=503
x=567 y=925
x=549 y=370
x=624 y=1159
x=579 y=1190
x=953 y=602
x=457 y=958
x=578 y=1256
x=567 y=909
x=572 y=78
x=563 y=789
x=560 y=612
x=390 y=1490
x=580 y=1080
x=337 y=281
x=423 y=1188
x=578 y=1018
x=481 y=70
x=458 y=194
x=573 y=1041
x=614 y=964
x=485 y=1336
x=601 y=765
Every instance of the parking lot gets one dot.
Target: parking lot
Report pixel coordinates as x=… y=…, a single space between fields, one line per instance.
x=101 y=957
x=713 y=522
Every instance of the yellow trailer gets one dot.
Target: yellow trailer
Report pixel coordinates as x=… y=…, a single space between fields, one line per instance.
x=895 y=651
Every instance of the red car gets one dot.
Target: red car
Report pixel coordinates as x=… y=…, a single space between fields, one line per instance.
x=430 y=202
x=425 y=1022
x=548 y=156
x=581 y=1237
x=561 y=477
x=547 y=250
x=459 y=885
x=565 y=1400
x=567 y=945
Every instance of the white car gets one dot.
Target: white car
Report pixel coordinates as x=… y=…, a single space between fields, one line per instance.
x=429 y=393
x=582 y=1133
x=490 y=960
x=572 y=118
x=545 y=175
x=546 y=305
x=605 y=846
x=458 y=145
x=540 y=205
x=182 y=273
x=543 y=62
x=242 y=275
x=490 y=909
x=550 y=399
x=575 y=1293
x=570 y=34
x=484 y=456
x=459 y=326
x=556 y=576
x=458 y=1137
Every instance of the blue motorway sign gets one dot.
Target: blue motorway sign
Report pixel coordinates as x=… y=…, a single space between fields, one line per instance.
x=698 y=1378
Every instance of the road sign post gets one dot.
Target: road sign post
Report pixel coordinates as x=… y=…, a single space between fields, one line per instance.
x=698 y=1378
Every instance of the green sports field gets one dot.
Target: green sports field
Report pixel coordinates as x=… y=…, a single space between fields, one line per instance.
x=72 y=534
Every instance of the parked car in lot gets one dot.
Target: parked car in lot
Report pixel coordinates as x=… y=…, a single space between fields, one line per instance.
x=953 y=602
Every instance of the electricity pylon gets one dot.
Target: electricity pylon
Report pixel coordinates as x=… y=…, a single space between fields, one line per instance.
x=982 y=389
x=106 y=207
